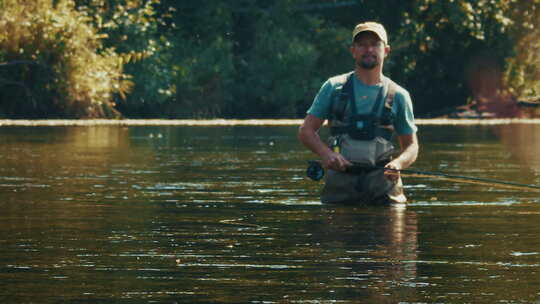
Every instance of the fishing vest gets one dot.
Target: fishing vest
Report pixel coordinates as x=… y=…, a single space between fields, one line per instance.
x=363 y=139
x=344 y=117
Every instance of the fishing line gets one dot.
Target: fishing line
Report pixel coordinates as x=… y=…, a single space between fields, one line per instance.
x=467 y=179
x=316 y=172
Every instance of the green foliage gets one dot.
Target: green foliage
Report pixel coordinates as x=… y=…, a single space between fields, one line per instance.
x=248 y=59
x=203 y=61
x=252 y=58
x=439 y=43
x=133 y=30
x=522 y=74
x=282 y=52
x=62 y=68
x=204 y=78
x=277 y=73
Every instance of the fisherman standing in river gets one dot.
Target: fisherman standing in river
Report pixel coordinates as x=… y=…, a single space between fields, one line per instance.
x=364 y=110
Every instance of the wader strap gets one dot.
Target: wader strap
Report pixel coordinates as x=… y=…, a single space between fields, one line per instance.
x=389 y=100
x=352 y=101
x=387 y=116
x=347 y=98
x=337 y=112
x=345 y=95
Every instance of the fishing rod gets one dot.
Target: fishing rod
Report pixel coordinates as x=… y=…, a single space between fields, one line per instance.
x=315 y=172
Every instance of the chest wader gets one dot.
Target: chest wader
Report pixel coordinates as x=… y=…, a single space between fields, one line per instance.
x=365 y=140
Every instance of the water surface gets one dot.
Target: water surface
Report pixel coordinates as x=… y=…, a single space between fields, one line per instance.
x=224 y=214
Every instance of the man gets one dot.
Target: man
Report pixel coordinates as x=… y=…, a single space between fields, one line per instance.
x=364 y=109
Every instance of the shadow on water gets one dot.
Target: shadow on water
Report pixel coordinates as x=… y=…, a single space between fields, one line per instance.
x=224 y=214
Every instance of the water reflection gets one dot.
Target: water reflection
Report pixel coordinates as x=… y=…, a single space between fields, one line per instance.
x=71 y=164
x=207 y=215
x=373 y=253
x=474 y=151
x=523 y=141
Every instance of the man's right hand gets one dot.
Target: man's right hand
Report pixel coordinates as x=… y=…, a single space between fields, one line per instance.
x=335 y=161
x=308 y=135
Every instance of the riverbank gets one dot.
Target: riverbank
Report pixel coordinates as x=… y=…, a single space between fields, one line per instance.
x=231 y=122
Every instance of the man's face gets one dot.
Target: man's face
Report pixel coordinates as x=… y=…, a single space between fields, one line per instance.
x=368 y=50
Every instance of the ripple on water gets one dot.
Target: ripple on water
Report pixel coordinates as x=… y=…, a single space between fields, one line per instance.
x=464 y=203
x=238 y=222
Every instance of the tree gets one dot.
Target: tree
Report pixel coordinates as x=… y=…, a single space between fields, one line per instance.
x=439 y=43
x=522 y=73
x=67 y=72
x=253 y=58
x=133 y=28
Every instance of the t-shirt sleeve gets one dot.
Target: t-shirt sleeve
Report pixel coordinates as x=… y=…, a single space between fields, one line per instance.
x=404 y=123
x=321 y=104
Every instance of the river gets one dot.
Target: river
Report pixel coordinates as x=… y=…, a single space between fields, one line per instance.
x=225 y=214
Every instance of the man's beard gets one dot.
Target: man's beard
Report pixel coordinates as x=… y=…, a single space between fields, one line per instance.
x=368 y=62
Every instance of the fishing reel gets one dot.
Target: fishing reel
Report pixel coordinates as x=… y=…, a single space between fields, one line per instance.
x=314 y=170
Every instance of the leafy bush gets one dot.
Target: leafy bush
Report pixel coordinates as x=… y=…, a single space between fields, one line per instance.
x=137 y=31
x=192 y=58
x=68 y=72
x=522 y=73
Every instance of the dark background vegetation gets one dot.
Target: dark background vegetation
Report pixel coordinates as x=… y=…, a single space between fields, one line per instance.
x=251 y=58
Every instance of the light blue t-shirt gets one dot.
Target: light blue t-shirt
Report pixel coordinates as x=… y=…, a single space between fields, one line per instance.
x=365 y=98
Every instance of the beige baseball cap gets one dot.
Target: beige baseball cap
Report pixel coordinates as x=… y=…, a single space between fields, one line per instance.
x=374 y=27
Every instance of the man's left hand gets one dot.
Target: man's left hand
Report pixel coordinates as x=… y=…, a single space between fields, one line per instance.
x=393 y=173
